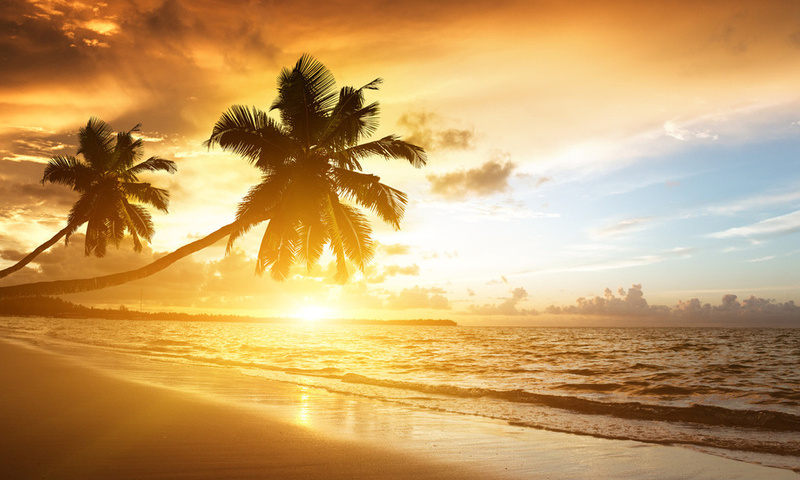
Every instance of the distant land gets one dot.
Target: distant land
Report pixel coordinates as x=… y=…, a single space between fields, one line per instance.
x=58 y=308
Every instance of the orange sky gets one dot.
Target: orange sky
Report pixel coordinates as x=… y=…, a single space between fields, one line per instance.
x=573 y=146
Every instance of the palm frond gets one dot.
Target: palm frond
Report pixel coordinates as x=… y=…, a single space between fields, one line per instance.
x=138 y=223
x=257 y=206
x=96 y=141
x=251 y=133
x=69 y=171
x=389 y=147
x=354 y=231
x=146 y=193
x=152 y=164
x=95 y=233
x=306 y=94
x=81 y=211
x=386 y=202
x=312 y=237
x=127 y=151
x=278 y=249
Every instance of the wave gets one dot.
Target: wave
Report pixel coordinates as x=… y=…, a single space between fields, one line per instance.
x=698 y=414
x=591 y=387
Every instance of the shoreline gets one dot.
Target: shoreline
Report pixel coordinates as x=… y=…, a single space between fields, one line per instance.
x=68 y=418
x=62 y=420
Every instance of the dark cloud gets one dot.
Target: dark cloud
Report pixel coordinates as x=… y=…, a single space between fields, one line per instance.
x=32 y=201
x=34 y=46
x=424 y=129
x=509 y=305
x=418 y=297
x=490 y=178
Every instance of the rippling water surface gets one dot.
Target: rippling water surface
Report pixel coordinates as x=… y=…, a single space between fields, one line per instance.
x=734 y=392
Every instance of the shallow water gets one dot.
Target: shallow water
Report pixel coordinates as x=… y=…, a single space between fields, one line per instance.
x=734 y=392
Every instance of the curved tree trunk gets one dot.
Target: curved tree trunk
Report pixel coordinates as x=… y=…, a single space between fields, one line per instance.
x=41 y=248
x=86 y=284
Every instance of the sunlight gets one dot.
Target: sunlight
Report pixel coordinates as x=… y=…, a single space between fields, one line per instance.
x=303 y=415
x=312 y=313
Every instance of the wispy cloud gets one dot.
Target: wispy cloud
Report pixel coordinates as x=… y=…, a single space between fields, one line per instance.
x=684 y=134
x=759 y=201
x=615 y=264
x=622 y=227
x=507 y=211
x=763 y=259
x=775 y=226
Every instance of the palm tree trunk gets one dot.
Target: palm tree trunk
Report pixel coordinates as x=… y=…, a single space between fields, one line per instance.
x=87 y=284
x=41 y=248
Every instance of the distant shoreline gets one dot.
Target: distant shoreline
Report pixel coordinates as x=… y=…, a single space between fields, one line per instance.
x=58 y=308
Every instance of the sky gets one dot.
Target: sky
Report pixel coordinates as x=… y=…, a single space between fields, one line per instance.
x=584 y=157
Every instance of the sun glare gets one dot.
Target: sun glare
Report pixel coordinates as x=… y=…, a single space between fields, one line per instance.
x=312 y=313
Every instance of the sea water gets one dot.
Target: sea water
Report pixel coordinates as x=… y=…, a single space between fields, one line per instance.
x=732 y=392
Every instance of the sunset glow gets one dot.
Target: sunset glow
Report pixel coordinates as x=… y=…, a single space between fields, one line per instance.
x=312 y=313
x=573 y=149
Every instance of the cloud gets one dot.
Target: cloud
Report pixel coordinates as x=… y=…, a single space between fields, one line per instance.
x=637 y=261
x=763 y=259
x=684 y=134
x=391 y=271
x=477 y=210
x=624 y=226
x=425 y=131
x=418 y=297
x=771 y=227
x=730 y=308
x=488 y=179
x=755 y=202
x=395 y=249
x=509 y=306
x=631 y=302
x=32 y=201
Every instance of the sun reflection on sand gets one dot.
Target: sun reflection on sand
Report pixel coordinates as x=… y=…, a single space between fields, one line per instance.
x=303 y=413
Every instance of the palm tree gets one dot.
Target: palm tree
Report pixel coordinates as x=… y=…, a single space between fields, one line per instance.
x=107 y=181
x=311 y=165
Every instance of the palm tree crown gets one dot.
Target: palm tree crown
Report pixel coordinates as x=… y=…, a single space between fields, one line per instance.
x=312 y=180
x=112 y=198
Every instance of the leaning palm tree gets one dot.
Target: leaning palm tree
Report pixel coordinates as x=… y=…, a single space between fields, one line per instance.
x=311 y=168
x=311 y=165
x=112 y=198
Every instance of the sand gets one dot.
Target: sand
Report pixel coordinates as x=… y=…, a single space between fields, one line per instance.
x=61 y=418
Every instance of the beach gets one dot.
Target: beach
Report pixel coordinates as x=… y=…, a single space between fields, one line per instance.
x=64 y=417
x=62 y=420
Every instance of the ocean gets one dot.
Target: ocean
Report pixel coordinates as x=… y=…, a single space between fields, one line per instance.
x=729 y=392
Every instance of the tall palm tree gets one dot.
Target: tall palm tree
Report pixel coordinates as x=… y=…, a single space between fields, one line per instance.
x=311 y=168
x=112 y=198
x=311 y=165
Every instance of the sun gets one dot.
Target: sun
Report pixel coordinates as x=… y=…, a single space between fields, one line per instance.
x=312 y=313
